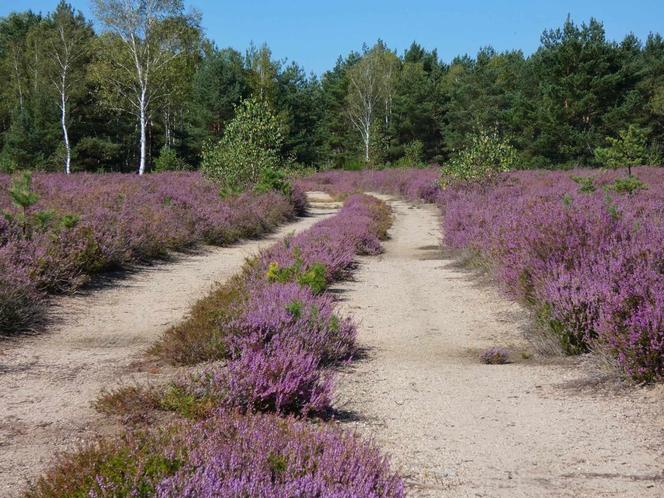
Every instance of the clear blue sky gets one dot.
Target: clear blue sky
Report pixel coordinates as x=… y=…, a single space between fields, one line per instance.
x=314 y=33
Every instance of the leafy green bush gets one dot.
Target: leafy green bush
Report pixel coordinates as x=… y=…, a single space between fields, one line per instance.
x=168 y=160
x=413 y=155
x=275 y=180
x=354 y=165
x=251 y=145
x=628 y=185
x=629 y=149
x=7 y=163
x=314 y=277
x=485 y=157
x=586 y=184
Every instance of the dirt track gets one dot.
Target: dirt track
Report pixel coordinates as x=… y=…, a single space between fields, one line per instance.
x=456 y=427
x=47 y=382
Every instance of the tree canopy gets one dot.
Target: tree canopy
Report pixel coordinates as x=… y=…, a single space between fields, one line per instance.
x=149 y=81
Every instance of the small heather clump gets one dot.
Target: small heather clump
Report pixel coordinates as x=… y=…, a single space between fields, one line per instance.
x=263 y=455
x=495 y=356
x=280 y=377
x=293 y=311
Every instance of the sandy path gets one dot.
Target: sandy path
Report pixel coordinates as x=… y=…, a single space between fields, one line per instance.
x=456 y=427
x=47 y=382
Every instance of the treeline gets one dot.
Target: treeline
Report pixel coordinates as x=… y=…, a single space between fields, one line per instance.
x=149 y=91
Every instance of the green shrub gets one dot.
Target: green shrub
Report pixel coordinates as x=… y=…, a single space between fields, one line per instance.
x=250 y=146
x=413 y=155
x=314 y=277
x=7 y=164
x=168 y=160
x=628 y=185
x=629 y=149
x=276 y=180
x=586 y=184
x=132 y=465
x=485 y=157
x=354 y=165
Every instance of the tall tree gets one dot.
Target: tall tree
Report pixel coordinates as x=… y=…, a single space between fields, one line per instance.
x=145 y=38
x=66 y=40
x=370 y=92
x=221 y=82
x=579 y=76
x=263 y=72
x=339 y=140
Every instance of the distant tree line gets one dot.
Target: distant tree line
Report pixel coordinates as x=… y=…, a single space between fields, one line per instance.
x=148 y=91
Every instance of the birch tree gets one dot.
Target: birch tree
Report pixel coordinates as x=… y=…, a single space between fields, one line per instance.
x=262 y=72
x=143 y=41
x=66 y=43
x=371 y=87
x=363 y=98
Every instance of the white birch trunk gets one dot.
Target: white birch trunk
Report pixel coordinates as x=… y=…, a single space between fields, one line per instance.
x=65 y=134
x=143 y=124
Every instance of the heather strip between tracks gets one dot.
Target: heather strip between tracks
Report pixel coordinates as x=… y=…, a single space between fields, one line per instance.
x=241 y=419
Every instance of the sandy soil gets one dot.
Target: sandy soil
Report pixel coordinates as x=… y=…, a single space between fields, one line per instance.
x=456 y=427
x=47 y=382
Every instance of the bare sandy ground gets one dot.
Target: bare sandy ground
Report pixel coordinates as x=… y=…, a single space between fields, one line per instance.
x=456 y=427
x=47 y=382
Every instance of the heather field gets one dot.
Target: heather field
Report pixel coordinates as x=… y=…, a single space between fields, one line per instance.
x=59 y=230
x=331 y=266
x=586 y=257
x=334 y=361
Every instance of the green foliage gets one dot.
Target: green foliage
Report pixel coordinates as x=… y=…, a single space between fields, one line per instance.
x=21 y=192
x=132 y=465
x=251 y=145
x=354 y=165
x=413 y=155
x=557 y=105
x=572 y=343
x=295 y=308
x=168 y=160
x=486 y=156
x=275 y=180
x=629 y=149
x=7 y=164
x=179 y=400
x=628 y=185
x=586 y=184
x=314 y=277
x=278 y=463
x=95 y=153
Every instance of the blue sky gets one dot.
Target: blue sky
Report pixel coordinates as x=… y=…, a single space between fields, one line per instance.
x=315 y=33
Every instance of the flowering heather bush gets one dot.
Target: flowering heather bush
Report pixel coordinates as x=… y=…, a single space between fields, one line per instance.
x=280 y=377
x=589 y=256
x=229 y=455
x=592 y=262
x=265 y=456
x=292 y=311
x=112 y=221
x=332 y=243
